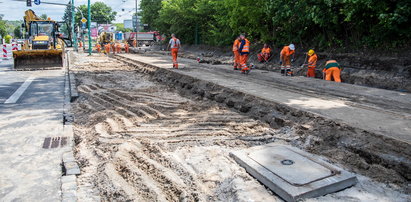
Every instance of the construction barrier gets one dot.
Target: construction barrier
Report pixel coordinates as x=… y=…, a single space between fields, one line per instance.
x=7 y=50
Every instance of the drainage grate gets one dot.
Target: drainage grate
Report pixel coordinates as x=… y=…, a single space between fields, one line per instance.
x=54 y=142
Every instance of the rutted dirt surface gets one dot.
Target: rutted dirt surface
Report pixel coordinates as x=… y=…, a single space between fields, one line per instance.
x=138 y=140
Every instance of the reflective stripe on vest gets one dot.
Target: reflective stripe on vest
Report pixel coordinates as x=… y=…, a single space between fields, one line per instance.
x=246 y=47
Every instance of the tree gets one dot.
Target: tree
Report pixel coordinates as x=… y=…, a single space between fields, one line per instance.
x=43 y=16
x=100 y=13
x=3 y=29
x=150 y=12
x=17 y=33
x=120 y=28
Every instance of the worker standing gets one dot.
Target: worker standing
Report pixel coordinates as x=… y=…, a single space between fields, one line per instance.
x=113 y=47
x=118 y=47
x=135 y=43
x=244 y=51
x=175 y=45
x=98 y=47
x=265 y=54
x=126 y=47
x=285 y=59
x=312 y=63
x=236 y=45
x=107 y=48
x=332 y=71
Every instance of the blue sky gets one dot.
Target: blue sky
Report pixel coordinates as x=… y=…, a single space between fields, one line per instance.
x=14 y=10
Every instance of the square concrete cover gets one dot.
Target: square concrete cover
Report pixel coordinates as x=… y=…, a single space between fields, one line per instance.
x=292 y=173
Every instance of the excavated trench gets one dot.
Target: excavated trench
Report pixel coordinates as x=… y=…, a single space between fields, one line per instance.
x=139 y=140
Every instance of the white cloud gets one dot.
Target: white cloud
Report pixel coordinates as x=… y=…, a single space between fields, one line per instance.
x=14 y=10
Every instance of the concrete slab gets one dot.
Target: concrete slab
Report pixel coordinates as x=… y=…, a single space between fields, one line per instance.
x=291 y=173
x=71 y=168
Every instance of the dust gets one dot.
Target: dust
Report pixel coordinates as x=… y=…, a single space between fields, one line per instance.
x=137 y=140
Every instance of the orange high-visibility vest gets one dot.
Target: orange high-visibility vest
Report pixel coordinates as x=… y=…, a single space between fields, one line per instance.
x=236 y=45
x=286 y=51
x=246 y=47
x=266 y=50
x=312 y=61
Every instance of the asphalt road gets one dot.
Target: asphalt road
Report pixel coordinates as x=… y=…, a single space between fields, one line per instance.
x=31 y=109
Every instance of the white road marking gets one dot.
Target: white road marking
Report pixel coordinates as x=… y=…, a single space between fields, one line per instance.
x=16 y=95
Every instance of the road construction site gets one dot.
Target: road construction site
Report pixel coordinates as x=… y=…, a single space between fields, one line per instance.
x=146 y=132
x=138 y=130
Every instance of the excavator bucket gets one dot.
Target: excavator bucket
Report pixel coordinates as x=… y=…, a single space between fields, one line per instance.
x=38 y=59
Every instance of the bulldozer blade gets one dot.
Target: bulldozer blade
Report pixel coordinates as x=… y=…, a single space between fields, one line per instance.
x=38 y=59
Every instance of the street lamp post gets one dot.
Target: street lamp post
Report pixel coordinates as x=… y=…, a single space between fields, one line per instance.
x=89 y=26
x=72 y=26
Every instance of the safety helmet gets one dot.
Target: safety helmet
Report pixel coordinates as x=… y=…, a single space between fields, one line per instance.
x=292 y=47
x=310 y=52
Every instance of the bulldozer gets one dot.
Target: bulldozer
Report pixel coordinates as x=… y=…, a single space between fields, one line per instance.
x=43 y=47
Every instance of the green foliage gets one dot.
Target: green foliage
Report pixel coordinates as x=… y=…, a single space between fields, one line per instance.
x=120 y=27
x=319 y=23
x=8 y=38
x=100 y=13
x=17 y=33
x=150 y=11
x=3 y=29
x=44 y=16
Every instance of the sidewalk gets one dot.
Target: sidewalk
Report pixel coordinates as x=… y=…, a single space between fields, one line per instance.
x=357 y=106
x=28 y=171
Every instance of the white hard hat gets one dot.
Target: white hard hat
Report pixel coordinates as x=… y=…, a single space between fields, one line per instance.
x=292 y=47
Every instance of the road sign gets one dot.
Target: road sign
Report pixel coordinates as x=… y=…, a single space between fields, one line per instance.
x=83 y=20
x=37 y=2
x=28 y=3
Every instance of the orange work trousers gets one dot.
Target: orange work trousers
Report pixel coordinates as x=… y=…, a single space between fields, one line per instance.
x=286 y=60
x=126 y=48
x=243 y=62
x=113 y=47
x=118 y=49
x=236 y=59
x=174 y=53
x=311 y=71
x=107 y=48
x=334 y=73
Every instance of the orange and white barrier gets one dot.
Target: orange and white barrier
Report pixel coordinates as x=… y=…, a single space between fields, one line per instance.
x=7 y=51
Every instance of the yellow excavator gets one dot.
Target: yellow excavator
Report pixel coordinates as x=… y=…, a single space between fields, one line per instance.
x=42 y=48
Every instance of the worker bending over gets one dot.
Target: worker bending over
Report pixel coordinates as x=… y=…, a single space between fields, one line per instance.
x=285 y=59
x=265 y=54
x=236 y=45
x=244 y=51
x=175 y=45
x=312 y=63
x=332 y=71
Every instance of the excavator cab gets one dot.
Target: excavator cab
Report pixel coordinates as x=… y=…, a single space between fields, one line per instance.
x=42 y=48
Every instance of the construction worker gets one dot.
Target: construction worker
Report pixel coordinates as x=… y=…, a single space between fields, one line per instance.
x=107 y=48
x=126 y=47
x=285 y=59
x=312 y=63
x=98 y=48
x=174 y=44
x=236 y=45
x=113 y=47
x=134 y=43
x=244 y=51
x=118 y=47
x=265 y=54
x=332 y=71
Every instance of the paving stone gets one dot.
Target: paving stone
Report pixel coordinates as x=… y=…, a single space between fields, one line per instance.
x=71 y=168
x=291 y=173
x=68 y=178
x=69 y=197
x=68 y=156
x=69 y=186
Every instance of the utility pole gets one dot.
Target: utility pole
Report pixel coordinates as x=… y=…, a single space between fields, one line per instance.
x=136 y=22
x=89 y=28
x=74 y=39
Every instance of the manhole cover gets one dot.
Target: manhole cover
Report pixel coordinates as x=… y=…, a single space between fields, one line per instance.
x=289 y=165
x=54 y=142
